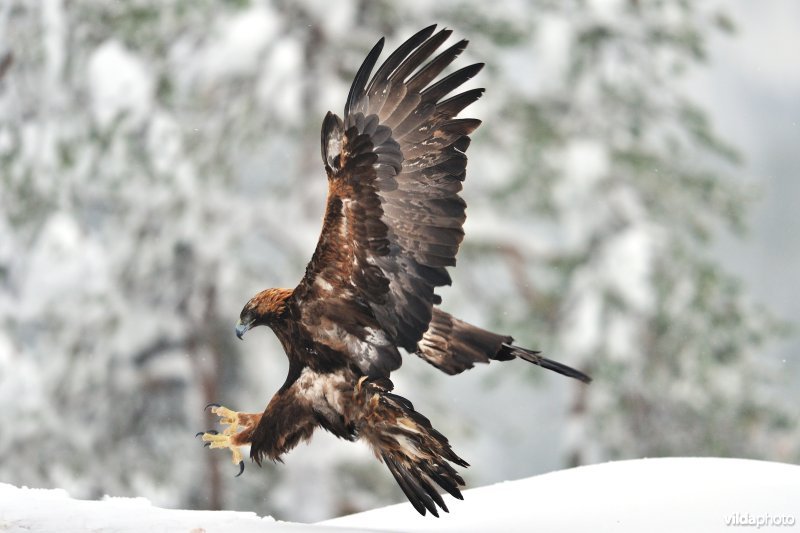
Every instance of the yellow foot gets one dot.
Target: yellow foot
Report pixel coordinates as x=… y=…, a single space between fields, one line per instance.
x=226 y=418
x=215 y=439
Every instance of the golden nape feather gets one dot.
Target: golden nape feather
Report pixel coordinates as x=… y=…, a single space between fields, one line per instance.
x=395 y=163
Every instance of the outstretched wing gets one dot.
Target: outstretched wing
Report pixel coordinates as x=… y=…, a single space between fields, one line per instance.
x=453 y=346
x=394 y=217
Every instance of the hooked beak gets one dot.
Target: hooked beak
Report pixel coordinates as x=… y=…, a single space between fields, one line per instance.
x=241 y=329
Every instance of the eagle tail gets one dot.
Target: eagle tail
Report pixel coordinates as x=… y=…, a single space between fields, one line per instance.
x=416 y=454
x=453 y=346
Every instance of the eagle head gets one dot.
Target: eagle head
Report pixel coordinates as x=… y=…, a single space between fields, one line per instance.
x=265 y=308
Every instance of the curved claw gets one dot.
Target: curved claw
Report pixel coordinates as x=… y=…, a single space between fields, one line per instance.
x=241 y=469
x=210 y=432
x=207 y=445
x=209 y=406
x=198 y=434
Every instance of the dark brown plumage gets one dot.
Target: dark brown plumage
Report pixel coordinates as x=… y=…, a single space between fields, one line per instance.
x=393 y=223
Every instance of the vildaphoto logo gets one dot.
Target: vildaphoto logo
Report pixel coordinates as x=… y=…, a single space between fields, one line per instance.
x=760 y=520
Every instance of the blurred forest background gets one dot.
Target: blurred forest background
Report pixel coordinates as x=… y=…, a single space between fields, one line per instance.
x=631 y=212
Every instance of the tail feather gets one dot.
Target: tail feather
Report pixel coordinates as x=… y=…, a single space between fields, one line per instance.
x=418 y=491
x=416 y=454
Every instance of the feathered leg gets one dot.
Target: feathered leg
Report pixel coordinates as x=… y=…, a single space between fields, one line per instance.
x=417 y=455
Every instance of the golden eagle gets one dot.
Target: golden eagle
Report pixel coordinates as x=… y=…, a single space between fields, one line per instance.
x=393 y=223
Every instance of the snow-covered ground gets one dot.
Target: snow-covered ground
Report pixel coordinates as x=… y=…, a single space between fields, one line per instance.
x=681 y=495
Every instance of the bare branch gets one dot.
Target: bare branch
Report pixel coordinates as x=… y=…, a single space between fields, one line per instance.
x=5 y=63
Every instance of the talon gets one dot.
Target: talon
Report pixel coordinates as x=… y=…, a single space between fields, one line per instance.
x=198 y=434
x=215 y=439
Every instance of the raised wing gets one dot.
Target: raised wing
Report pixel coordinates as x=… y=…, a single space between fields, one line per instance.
x=395 y=164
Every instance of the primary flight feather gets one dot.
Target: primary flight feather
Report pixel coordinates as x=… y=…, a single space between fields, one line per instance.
x=393 y=224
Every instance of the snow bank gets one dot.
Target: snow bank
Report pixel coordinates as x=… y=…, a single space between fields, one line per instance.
x=653 y=495
x=675 y=495
x=40 y=510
